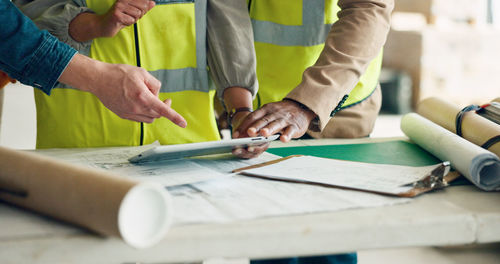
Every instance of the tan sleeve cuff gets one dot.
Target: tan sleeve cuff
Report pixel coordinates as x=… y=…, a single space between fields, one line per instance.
x=314 y=98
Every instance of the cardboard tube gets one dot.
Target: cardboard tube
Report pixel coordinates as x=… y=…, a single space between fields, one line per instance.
x=139 y=213
x=475 y=128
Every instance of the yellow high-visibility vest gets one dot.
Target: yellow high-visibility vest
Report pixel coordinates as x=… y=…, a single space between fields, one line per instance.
x=289 y=37
x=169 y=42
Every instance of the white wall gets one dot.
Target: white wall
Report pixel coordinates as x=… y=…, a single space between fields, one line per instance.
x=18 y=125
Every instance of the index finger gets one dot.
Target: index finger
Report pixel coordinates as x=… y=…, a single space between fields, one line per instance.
x=165 y=111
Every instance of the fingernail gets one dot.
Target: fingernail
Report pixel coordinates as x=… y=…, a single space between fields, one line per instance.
x=236 y=134
x=237 y=151
x=252 y=131
x=250 y=149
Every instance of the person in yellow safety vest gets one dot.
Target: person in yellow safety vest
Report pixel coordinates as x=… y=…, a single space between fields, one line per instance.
x=316 y=59
x=167 y=38
x=318 y=63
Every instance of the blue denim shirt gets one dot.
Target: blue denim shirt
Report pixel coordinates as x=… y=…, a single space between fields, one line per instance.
x=27 y=54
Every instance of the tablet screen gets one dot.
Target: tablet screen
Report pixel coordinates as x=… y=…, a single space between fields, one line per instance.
x=169 y=152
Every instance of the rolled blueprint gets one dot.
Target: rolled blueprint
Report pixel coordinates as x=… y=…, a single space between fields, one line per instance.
x=475 y=128
x=139 y=213
x=480 y=166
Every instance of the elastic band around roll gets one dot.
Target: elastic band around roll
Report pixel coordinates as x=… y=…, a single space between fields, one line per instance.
x=492 y=141
x=460 y=115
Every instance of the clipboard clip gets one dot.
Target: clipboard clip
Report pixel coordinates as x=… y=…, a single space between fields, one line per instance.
x=436 y=178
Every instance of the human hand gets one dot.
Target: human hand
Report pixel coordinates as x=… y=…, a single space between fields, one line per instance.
x=129 y=92
x=132 y=93
x=251 y=151
x=286 y=117
x=123 y=13
x=88 y=26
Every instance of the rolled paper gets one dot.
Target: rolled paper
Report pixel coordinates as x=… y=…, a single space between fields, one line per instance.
x=475 y=128
x=497 y=100
x=138 y=212
x=479 y=165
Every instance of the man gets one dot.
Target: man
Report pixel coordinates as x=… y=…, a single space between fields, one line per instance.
x=316 y=60
x=36 y=58
x=304 y=83
x=168 y=40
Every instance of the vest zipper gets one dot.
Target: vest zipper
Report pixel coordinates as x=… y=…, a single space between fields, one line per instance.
x=138 y=62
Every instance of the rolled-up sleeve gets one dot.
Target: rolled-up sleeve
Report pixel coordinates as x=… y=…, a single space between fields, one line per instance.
x=55 y=17
x=231 y=52
x=29 y=55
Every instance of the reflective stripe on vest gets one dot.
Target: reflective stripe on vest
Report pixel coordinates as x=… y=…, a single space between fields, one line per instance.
x=194 y=77
x=171 y=41
x=289 y=37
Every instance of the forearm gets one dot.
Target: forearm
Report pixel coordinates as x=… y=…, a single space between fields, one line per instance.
x=85 y=27
x=353 y=42
x=231 y=53
x=82 y=72
x=238 y=104
x=237 y=97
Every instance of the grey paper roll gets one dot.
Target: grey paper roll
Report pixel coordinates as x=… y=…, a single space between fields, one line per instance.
x=480 y=166
x=139 y=213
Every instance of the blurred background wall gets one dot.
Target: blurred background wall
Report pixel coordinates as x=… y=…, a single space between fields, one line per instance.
x=444 y=48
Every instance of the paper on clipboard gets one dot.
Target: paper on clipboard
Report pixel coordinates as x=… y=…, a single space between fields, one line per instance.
x=397 y=180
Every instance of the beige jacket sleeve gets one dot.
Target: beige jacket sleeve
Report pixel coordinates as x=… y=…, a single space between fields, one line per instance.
x=353 y=41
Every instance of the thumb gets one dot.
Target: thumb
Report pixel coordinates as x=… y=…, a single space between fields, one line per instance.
x=153 y=84
x=167 y=102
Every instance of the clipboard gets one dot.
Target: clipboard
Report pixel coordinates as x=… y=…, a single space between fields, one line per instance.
x=437 y=178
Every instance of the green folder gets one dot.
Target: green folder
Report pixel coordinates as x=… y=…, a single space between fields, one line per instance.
x=395 y=152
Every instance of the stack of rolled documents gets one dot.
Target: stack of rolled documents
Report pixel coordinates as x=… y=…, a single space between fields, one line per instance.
x=434 y=129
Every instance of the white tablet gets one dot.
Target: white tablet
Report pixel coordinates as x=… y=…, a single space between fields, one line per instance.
x=169 y=152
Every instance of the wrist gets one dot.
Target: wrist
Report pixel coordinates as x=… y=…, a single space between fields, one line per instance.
x=236 y=97
x=81 y=73
x=310 y=115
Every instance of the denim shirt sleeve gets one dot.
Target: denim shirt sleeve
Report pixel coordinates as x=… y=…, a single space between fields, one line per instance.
x=27 y=54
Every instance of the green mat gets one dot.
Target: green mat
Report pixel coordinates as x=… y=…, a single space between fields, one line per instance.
x=396 y=152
